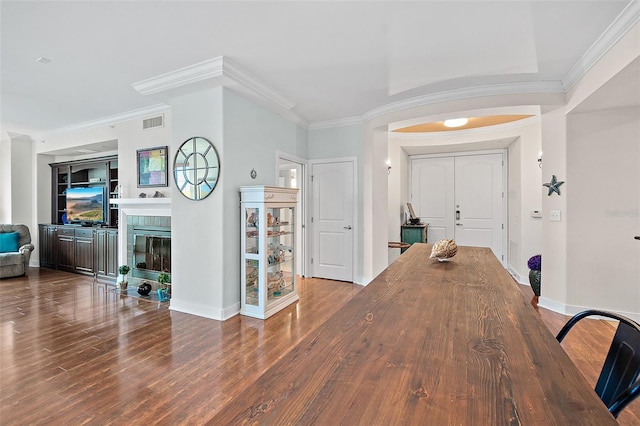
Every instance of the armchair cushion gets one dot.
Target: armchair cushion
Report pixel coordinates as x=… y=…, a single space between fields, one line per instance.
x=9 y=242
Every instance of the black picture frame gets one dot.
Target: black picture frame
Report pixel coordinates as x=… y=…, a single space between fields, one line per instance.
x=153 y=167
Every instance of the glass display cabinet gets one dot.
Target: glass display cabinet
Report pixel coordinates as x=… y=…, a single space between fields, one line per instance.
x=268 y=250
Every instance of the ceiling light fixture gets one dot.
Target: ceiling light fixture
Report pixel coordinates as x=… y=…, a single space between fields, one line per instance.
x=43 y=60
x=456 y=122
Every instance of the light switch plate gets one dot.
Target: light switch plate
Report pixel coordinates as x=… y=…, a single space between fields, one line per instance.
x=554 y=215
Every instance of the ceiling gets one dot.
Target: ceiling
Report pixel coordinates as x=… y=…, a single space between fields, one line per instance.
x=333 y=60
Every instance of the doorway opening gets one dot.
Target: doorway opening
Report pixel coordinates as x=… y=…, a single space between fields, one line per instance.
x=291 y=173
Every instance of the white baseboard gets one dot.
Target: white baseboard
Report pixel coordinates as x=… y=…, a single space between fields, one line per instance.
x=519 y=278
x=571 y=310
x=205 y=311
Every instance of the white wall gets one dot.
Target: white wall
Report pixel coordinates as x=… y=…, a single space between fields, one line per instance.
x=603 y=259
x=22 y=182
x=335 y=142
x=131 y=137
x=5 y=180
x=554 y=245
x=339 y=142
x=560 y=291
x=252 y=135
x=197 y=227
x=18 y=184
x=525 y=195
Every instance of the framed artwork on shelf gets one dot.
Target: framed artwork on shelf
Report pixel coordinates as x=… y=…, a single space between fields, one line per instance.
x=152 y=167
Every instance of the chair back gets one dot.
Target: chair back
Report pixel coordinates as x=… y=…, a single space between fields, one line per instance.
x=621 y=367
x=622 y=364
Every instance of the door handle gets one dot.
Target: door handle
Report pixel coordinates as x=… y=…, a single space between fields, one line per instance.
x=347 y=227
x=457 y=214
x=459 y=224
x=637 y=237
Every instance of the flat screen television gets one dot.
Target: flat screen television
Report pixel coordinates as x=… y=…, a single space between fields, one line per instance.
x=85 y=205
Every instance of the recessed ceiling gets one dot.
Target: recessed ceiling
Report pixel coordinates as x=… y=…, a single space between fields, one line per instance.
x=334 y=60
x=474 y=122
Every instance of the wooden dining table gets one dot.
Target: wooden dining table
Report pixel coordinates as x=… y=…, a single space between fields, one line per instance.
x=425 y=343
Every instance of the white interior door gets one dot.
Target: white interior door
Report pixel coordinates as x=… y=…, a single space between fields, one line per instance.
x=332 y=220
x=479 y=202
x=461 y=197
x=432 y=195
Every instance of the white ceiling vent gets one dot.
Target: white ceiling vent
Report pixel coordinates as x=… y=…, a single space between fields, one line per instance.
x=149 y=123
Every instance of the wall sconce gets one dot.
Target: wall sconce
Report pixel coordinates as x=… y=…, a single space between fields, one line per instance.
x=540 y=159
x=388 y=163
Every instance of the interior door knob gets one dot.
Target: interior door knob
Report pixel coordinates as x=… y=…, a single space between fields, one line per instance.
x=637 y=237
x=347 y=227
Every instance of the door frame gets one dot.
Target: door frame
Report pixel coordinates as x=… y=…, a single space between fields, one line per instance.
x=355 y=214
x=505 y=187
x=282 y=157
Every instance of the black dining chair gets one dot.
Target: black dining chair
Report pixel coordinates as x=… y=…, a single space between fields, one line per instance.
x=617 y=385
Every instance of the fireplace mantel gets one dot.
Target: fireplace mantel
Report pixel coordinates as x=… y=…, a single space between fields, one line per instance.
x=136 y=207
x=144 y=203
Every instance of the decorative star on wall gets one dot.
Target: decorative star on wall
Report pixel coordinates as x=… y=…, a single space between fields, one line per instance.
x=554 y=185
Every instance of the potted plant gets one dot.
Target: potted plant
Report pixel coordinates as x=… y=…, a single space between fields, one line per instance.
x=124 y=270
x=163 y=279
x=535 y=273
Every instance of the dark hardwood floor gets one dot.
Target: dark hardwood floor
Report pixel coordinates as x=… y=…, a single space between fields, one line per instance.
x=72 y=353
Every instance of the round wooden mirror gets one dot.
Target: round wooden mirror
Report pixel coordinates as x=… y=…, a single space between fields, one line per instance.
x=196 y=168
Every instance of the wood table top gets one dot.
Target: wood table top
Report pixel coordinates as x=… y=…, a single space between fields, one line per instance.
x=426 y=343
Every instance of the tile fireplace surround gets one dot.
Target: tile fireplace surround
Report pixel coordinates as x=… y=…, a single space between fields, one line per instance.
x=150 y=213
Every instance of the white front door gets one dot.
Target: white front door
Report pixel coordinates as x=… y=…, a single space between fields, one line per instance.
x=432 y=186
x=332 y=220
x=461 y=197
x=479 y=202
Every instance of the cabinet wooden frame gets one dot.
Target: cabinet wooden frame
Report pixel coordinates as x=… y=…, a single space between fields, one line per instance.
x=268 y=274
x=80 y=173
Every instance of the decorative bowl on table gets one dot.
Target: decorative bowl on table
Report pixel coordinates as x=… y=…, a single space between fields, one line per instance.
x=443 y=250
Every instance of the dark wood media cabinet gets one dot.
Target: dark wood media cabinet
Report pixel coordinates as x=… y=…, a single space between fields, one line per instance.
x=84 y=250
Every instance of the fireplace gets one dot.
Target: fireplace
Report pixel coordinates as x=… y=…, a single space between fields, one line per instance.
x=148 y=247
x=151 y=252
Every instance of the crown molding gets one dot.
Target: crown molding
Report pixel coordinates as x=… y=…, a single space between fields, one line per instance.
x=209 y=69
x=245 y=79
x=112 y=119
x=221 y=71
x=531 y=87
x=629 y=17
x=450 y=95
x=340 y=122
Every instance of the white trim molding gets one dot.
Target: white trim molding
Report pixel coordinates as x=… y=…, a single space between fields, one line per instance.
x=618 y=28
x=216 y=72
x=112 y=119
x=570 y=310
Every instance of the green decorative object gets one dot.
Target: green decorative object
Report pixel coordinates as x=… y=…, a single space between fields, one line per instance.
x=534 y=280
x=124 y=270
x=163 y=279
x=554 y=185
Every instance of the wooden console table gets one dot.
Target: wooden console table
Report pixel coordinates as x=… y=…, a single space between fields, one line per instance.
x=426 y=343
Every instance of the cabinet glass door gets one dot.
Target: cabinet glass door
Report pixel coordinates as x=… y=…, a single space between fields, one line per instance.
x=252 y=250
x=280 y=250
